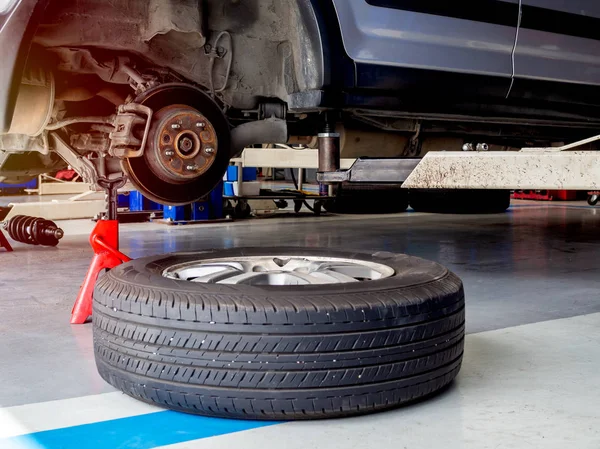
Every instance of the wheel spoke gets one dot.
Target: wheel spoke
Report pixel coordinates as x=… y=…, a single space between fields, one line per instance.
x=355 y=271
x=335 y=276
x=243 y=278
x=220 y=273
x=262 y=278
x=310 y=278
x=205 y=272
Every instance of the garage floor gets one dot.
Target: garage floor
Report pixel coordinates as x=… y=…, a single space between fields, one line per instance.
x=529 y=378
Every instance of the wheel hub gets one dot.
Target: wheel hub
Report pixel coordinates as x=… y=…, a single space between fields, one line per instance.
x=184 y=144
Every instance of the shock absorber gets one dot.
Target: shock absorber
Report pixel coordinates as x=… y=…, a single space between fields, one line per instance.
x=33 y=231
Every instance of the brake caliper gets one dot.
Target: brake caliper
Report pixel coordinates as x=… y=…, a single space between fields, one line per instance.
x=124 y=142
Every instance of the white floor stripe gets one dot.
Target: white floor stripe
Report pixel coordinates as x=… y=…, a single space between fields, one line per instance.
x=31 y=418
x=532 y=386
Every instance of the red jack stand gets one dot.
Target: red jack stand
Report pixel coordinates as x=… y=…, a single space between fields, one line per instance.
x=4 y=242
x=105 y=243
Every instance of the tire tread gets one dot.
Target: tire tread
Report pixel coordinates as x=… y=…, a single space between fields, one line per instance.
x=231 y=352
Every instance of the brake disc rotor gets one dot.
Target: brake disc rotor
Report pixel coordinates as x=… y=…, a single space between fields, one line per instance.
x=188 y=146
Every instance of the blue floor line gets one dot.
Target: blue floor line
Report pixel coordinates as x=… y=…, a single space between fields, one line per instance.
x=137 y=432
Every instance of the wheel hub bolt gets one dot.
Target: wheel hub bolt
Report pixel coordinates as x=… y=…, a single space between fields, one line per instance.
x=169 y=153
x=191 y=167
x=200 y=125
x=175 y=126
x=209 y=150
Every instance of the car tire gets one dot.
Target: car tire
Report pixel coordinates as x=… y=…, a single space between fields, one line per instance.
x=469 y=201
x=279 y=352
x=368 y=199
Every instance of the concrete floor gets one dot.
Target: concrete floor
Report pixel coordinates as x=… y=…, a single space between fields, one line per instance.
x=532 y=356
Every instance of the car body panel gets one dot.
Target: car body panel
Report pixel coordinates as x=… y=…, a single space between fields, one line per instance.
x=559 y=41
x=590 y=8
x=557 y=57
x=390 y=35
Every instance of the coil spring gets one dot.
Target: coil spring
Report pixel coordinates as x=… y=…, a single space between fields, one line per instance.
x=33 y=231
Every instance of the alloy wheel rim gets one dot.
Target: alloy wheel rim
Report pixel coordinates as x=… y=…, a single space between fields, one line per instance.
x=278 y=270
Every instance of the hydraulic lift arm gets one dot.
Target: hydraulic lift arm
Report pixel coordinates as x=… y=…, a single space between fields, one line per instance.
x=560 y=168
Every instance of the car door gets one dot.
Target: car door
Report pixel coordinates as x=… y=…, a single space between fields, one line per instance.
x=453 y=36
x=559 y=40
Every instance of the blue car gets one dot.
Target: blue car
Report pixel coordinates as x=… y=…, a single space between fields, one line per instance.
x=167 y=91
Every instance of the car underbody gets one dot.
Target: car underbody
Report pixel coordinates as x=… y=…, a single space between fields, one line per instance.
x=166 y=92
